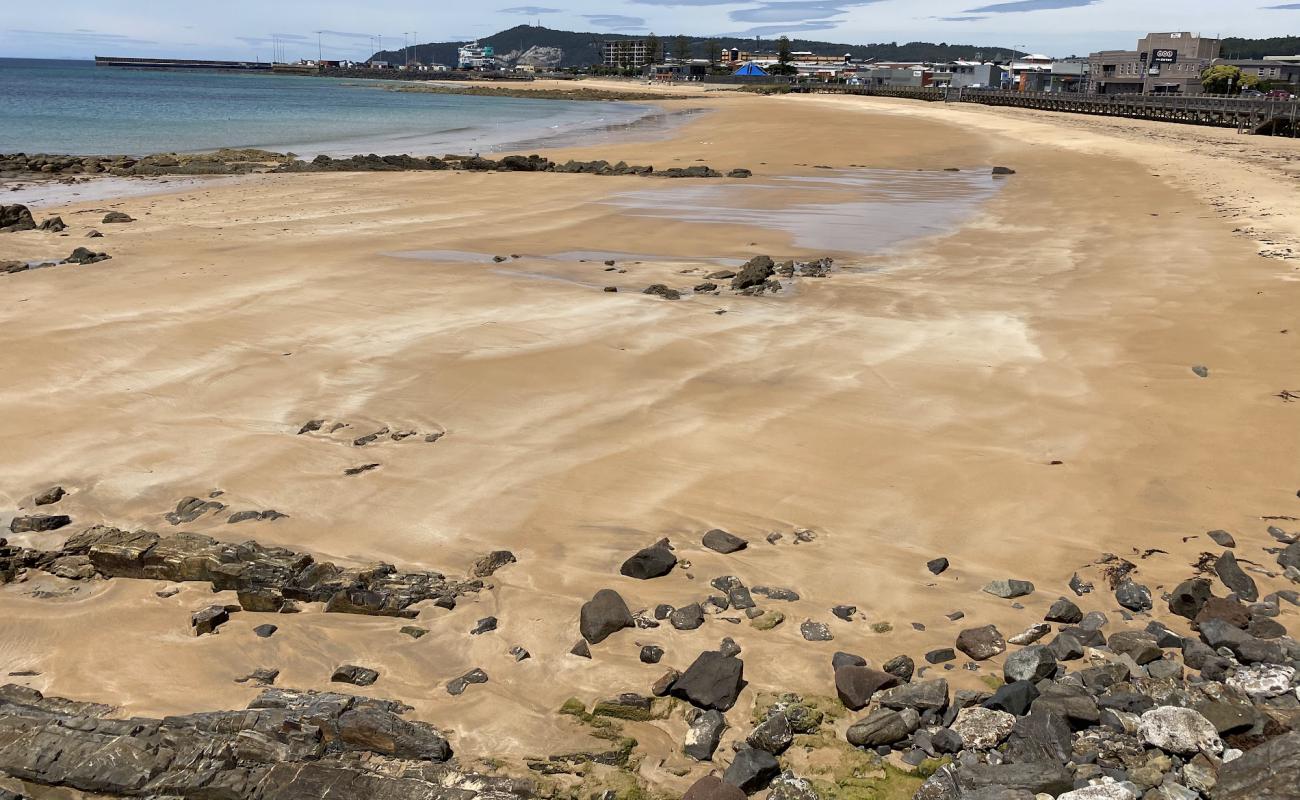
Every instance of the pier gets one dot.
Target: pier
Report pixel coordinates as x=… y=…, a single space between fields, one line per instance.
x=1253 y=116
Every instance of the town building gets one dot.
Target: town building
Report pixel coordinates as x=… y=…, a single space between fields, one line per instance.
x=974 y=75
x=625 y=53
x=477 y=57
x=1163 y=63
x=1278 y=72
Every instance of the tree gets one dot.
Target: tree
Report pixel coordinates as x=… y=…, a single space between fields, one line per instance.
x=783 y=58
x=1225 y=79
x=682 y=48
x=714 y=51
x=652 y=48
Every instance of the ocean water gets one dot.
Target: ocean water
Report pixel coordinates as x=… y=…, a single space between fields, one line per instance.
x=74 y=107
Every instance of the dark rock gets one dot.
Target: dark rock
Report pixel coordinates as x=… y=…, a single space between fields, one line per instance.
x=519 y=654
x=1268 y=772
x=855 y=686
x=688 y=618
x=981 y=644
x=1138 y=645
x=1222 y=538
x=16 y=218
x=190 y=509
x=1133 y=596
x=773 y=735
x=705 y=288
x=85 y=256
x=50 y=496
x=357 y=676
x=740 y=173
x=116 y=217
x=265 y=631
x=1230 y=572
x=1233 y=612
x=752 y=770
x=664 y=685
x=488 y=565
x=39 y=523
x=703 y=734
x=882 y=727
x=1041 y=735
x=1064 y=611
x=1013 y=698
x=485 y=625
x=1189 y=597
x=651 y=654
x=581 y=649
x=844 y=612
x=1248 y=649
x=940 y=656
x=722 y=542
x=655 y=561
x=755 y=272
x=260 y=677
x=1079 y=586
x=1003 y=171
x=53 y=225
x=207 y=620
x=662 y=291
x=938 y=566
x=604 y=615
x=711 y=787
x=842 y=659
x=457 y=686
x=902 y=666
x=1036 y=777
x=713 y=681
x=922 y=696
x=776 y=593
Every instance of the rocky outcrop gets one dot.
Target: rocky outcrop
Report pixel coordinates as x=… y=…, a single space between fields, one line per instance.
x=288 y=745
x=266 y=578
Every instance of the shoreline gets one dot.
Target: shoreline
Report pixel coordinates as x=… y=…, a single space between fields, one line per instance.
x=1015 y=395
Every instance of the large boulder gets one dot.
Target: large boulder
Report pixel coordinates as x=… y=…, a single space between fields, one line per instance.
x=752 y=770
x=855 y=686
x=655 y=561
x=1133 y=596
x=1033 y=663
x=39 y=523
x=1189 y=597
x=714 y=681
x=604 y=615
x=1268 y=772
x=981 y=644
x=883 y=727
x=16 y=218
x=1182 y=731
x=923 y=696
x=1232 y=575
x=1009 y=589
x=704 y=734
x=773 y=734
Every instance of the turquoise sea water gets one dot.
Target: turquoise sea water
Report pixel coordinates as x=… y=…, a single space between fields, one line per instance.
x=74 y=107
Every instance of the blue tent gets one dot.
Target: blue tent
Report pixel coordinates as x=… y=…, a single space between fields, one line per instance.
x=751 y=70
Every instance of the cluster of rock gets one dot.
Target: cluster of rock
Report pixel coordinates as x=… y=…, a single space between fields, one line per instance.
x=16 y=218
x=757 y=276
x=384 y=433
x=221 y=162
x=513 y=163
x=286 y=745
x=266 y=579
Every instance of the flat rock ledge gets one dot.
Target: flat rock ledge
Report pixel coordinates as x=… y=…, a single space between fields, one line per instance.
x=287 y=745
x=267 y=579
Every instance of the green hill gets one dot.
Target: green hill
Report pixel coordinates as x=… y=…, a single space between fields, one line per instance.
x=1258 y=48
x=583 y=49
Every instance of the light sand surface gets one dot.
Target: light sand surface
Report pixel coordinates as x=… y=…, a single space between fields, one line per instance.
x=905 y=408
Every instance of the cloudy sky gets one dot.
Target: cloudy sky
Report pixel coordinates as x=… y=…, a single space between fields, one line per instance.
x=245 y=28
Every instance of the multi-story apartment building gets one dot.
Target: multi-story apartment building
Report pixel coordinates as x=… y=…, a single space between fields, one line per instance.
x=625 y=53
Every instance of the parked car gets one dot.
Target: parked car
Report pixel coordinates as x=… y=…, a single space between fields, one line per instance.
x=1252 y=93
x=1280 y=94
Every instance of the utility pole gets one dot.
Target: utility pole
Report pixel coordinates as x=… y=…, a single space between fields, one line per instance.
x=320 y=49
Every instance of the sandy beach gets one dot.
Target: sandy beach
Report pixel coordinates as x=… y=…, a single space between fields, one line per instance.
x=1012 y=389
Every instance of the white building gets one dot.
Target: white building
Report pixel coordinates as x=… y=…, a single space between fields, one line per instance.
x=476 y=56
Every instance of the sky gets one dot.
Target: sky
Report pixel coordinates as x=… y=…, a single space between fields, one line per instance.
x=248 y=29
